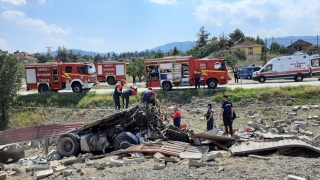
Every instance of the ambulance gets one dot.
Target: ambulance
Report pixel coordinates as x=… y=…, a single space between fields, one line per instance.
x=296 y=67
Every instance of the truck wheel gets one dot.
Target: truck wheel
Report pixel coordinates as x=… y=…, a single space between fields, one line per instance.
x=262 y=79
x=212 y=84
x=167 y=86
x=298 y=78
x=68 y=145
x=111 y=80
x=124 y=140
x=77 y=88
x=249 y=77
x=43 y=88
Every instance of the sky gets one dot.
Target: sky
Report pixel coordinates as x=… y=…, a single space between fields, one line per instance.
x=129 y=25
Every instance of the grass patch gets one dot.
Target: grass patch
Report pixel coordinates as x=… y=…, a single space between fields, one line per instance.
x=242 y=97
x=26 y=117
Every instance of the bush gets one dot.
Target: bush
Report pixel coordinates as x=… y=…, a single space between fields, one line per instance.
x=240 y=54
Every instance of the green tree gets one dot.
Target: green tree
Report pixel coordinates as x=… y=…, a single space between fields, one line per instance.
x=11 y=74
x=203 y=36
x=248 y=38
x=274 y=47
x=136 y=68
x=237 y=36
x=159 y=54
x=223 y=39
x=62 y=54
x=175 y=51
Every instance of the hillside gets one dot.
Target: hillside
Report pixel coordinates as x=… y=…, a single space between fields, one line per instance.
x=286 y=41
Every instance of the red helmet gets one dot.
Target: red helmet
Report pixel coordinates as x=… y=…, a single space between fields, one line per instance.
x=183 y=126
x=123 y=81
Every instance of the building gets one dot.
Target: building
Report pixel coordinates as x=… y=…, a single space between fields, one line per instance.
x=25 y=57
x=299 y=45
x=249 y=47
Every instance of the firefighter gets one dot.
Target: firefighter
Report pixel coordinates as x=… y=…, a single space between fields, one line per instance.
x=236 y=77
x=117 y=93
x=226 y=114
x=209 y=117
x=176 y=117
x=133 y=79
x=127 y=93
x=149 y=96
x=197 y=75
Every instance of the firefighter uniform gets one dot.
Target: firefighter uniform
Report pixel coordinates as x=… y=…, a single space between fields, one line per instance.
x=176 y=118
x=210 y=112
x=126 y=95
x=227 y=117
x=149 y=97
x=197 y=79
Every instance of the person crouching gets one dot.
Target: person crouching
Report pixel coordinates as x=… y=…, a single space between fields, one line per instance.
x=126 y=95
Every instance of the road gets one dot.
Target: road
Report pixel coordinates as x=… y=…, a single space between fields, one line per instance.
x=245 y=84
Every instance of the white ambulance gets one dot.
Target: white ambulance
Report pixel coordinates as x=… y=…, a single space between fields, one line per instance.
x=295 y=67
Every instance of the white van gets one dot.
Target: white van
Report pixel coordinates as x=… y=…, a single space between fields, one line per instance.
x=294 y=67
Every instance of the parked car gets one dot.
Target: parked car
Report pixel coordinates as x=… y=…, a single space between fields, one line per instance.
x=247 y=72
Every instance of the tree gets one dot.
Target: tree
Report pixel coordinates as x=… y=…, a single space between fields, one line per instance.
x=248 y=38
x=159 y=54
x=223 y=39
x=11 y=73
x=108 y=55
x=203 y=36
x=274 y=47
x=175 y=51
x=237 y=36
x=62 y=54
x=136 y=68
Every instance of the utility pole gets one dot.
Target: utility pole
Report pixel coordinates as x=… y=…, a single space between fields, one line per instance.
x=48 y=51
x=265 y=57
x=180 y=46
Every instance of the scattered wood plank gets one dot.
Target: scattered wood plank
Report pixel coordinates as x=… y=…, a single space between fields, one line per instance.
x=259 y=157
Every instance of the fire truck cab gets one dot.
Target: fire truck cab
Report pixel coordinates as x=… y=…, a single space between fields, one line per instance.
x=110 y=71
x=180 y=71
x=45 y=77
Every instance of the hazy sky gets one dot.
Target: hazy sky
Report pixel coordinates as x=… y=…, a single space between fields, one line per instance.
x=128 y=25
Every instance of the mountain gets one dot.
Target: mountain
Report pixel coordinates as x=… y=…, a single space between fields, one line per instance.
x=286 y=41
x=82 y=52
x=185 y=46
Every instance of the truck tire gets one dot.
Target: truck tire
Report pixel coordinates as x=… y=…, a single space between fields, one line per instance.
x=68 y=145
x=111 y=80
x=43 y=88
x=298 y=78
x=212 y=84
x=249 y=77
x=167 y=86
x=124 y=140
x=77 y=87
x=262 y=79
x=177 y=135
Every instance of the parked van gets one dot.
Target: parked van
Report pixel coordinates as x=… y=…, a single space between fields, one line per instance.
x=247 y=72
x=294 y=67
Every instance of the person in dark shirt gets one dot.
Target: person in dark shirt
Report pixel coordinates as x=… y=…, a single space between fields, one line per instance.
x=149 y=96
x=226 y=114
x=117 y=93
x=133 y=79
x=209 y=117
x=197 y=76
x=126 y=95
x=236 y=77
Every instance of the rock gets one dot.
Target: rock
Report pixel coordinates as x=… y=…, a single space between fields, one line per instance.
x=59 y=168
x=292 y=177
x=314 y=124
x=38 y=167
x=42 y=161
x=169 y=164
x=221 y=169
x=252 y=117
x=276 y=123
x=305 y=107
x=77 y=166
x=134 y=160
x=172 y=159
x=293 y=132
x=11 y=173
x=158 y=166
x=315 y=117
x=292 y=114
x=66 y=173
x=202 y=118
x=114 y=162
x=314 y=107
x=139 y=154
x=211 y=156
x=308 y=133
x=190 y=175
x=54 y=164
x=44 y=173
x=317 y=137
x=295 y=108
x=158 y=155
x=194 y=163
x=281 y=129
x=89 y=162
x=3 y=176
x=294 y=127
x=301 y=131
x=309 y=117
x=249 y=123
x=273 y=130
x=259 y=121
x=71 y=160
x=259 y=126
x=189 y=155
x=288 y=122
x=300 y=123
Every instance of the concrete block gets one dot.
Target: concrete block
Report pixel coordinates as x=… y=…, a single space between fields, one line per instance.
x=172 y=159
x=71 y=160
x=169 y=164
x=314 y=106
x=134 y=160
x=308 y=133
x=59 y=168
x=89 y=162
x=305 y=107
x=38 y=167
x=158 y=166
x=44 y=173
x=77 y=166
x=292 y=177
x=158 y=155
x=294 y=127
x=300 y=123
x=293 y=132
x=3 y=176
x=292 y=114
x=189 y=155
x=114 y=162
x=315 y=117
x=211 y=156
x=295 y=108
x=194 y=163
x=301 y=131
x=66 y=173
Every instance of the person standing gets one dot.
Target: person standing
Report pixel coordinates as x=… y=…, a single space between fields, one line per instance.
x=197 y=76
x=236 y=77
x=133 y=79
x=226 y=114
x=117 y=93
x=176 y=117
x=149 y=96
x=126 y=95
x=209 y=117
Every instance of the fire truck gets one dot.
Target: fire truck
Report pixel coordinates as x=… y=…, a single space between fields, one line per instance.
x=45 y=77
x=110 y=71
x=180 y=71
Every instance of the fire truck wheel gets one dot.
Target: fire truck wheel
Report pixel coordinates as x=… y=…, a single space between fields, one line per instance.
x=68 y=145
x=262 y=79
x=111 y=81
x=166 y=86
x=77 y=88
x=42 y=88
x=212 y=83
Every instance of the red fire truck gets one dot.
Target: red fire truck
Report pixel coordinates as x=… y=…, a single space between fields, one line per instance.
x=45 y=77
x=180 y=71
x=110 y=71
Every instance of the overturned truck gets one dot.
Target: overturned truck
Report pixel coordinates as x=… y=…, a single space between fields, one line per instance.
x=135 y=125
